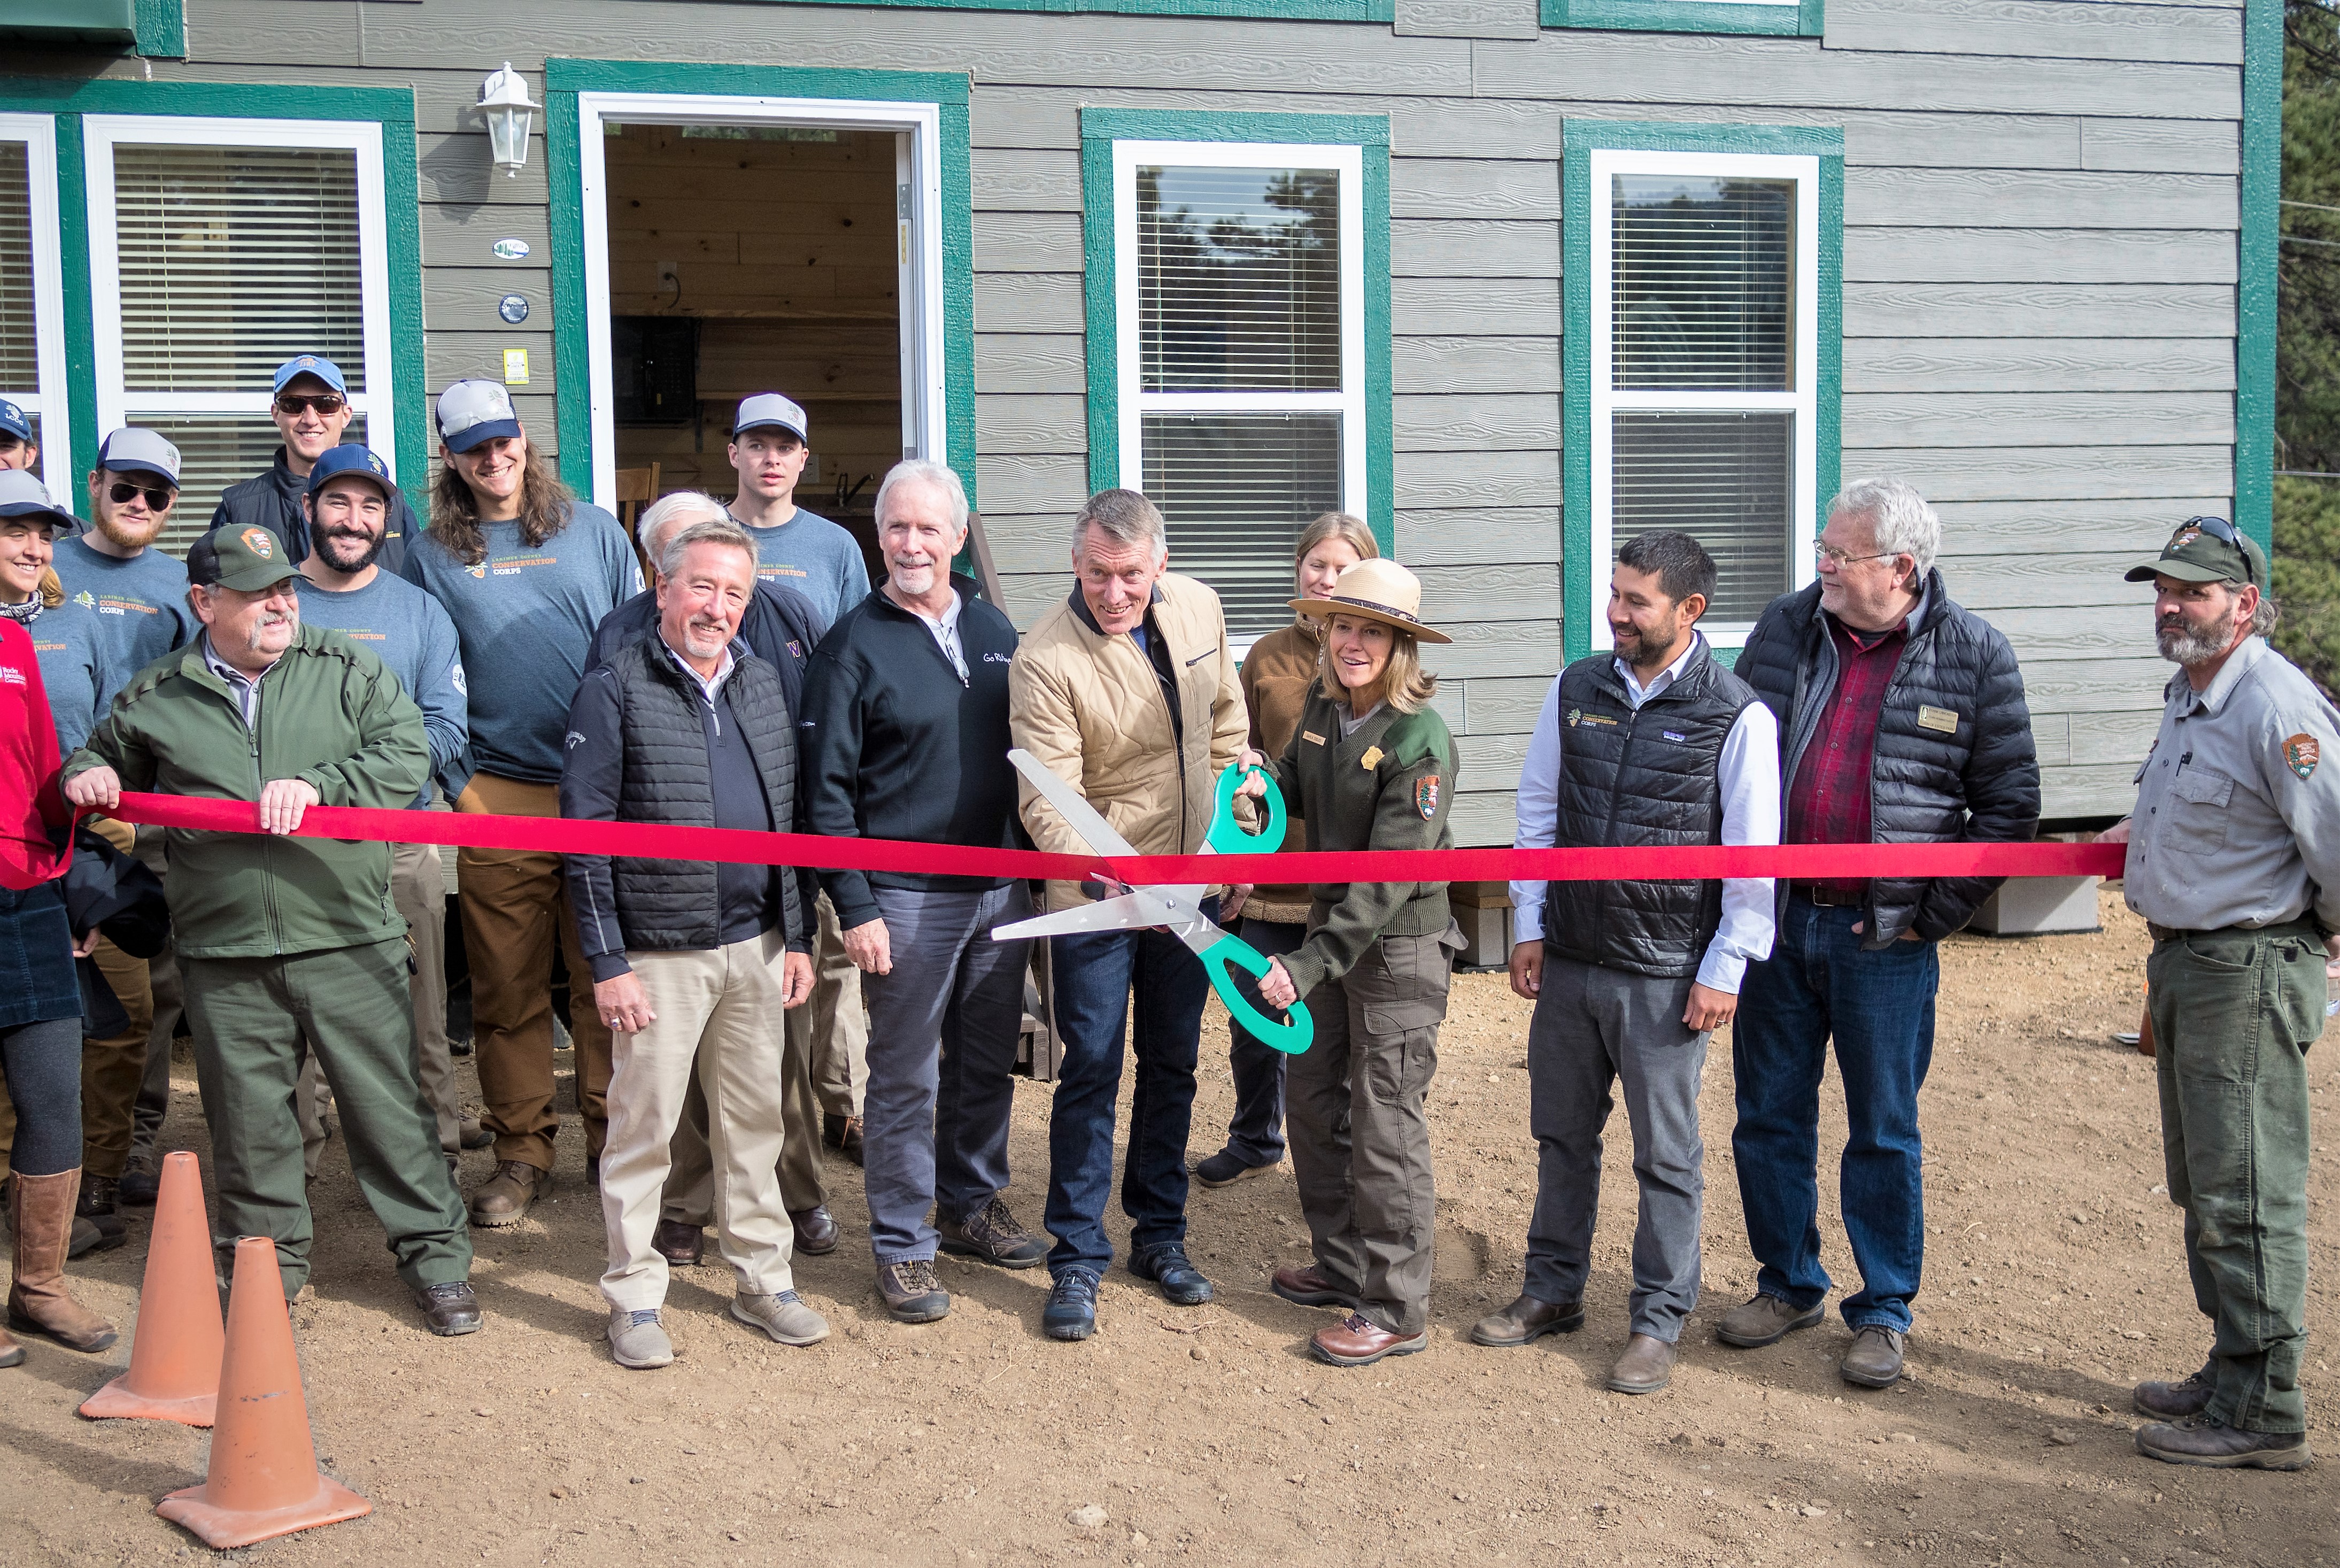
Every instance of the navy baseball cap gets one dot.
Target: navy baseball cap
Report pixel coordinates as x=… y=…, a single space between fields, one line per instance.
x=349 y=458
x=317 y=365
x=13 y=420
x=22 y=495
x=131 y=449
x=472 y=412
x=770 y=410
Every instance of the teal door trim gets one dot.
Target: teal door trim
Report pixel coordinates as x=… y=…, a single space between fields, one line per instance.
x=1100 y=129
x=2255 y=303
x=565 y=79
x=1580 y=573
x=1791 y=19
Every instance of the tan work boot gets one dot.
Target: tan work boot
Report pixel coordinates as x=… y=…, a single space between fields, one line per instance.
x=505 y=1196
x=40 y=1223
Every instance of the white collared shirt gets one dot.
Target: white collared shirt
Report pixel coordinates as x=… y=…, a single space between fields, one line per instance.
x=1748 y=773
x=946 y=631
x=710 y=687
x=244 y=688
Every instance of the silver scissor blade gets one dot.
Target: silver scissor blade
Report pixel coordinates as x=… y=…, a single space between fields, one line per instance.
x=1077 y=813
x=1130 y=912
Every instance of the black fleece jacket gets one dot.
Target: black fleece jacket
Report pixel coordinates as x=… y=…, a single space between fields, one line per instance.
x=894 y=744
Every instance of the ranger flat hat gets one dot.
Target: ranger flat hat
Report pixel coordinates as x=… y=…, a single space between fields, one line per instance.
x=1377 y=590
x=2207 y=550
x=249 y=560
x=22 y=495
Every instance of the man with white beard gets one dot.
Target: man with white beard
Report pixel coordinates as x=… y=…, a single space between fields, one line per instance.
x=2233 y=860
x=287 y=945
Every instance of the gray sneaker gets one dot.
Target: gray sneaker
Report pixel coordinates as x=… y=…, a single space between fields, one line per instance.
x=783 y=1316
x=639 y=1340
x=1766 y=1319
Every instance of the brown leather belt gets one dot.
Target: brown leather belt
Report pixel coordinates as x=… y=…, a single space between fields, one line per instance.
x=1832 y=897
x=2163 y=933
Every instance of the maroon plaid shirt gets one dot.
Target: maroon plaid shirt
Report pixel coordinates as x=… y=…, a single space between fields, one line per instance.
x=1828 y=803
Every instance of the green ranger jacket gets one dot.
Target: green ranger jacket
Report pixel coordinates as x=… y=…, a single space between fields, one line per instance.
x=329 y=713
x=1388 y=786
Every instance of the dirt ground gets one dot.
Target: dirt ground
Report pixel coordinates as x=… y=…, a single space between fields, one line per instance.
x=2055 y=1280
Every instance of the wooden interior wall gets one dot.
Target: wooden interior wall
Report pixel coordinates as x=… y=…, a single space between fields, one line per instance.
x=784 y=250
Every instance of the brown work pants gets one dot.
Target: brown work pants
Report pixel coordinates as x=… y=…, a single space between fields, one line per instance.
x=515 y=916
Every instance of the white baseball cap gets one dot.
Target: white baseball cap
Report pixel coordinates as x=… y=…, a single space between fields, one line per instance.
x=770 y=410
x=131 y=449
x=472 y=412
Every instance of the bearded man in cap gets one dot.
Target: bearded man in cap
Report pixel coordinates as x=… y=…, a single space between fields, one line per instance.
x=2233 y=860
x=289 y=946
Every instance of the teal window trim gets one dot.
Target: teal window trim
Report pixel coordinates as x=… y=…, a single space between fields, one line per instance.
x=2255 y=257
x=1100 y=129
x=1791 y=19
x=564 y=79
x=1579 y=574
x=1382 y=11
x=161 y=29
x=393 y=108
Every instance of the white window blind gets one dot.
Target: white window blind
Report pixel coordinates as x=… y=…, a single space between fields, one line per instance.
x=221 y=249
x=1239 y=287
x=1702 y=379
x=31 y=338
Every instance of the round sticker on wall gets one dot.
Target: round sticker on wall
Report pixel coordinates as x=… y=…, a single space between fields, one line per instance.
x=511 y=250
x=514 y=308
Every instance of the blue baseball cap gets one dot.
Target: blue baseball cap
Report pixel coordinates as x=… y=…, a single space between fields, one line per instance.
x=770 y=410
x=131 y=449
x=13 y=420
x=472 y=412
x=22 y=495
x=349 y=458
x=317 y=365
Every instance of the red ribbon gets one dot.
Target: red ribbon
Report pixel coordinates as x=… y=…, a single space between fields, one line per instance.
x=560 y=836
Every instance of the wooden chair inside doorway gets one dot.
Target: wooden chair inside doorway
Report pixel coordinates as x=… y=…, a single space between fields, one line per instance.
x=637 y=486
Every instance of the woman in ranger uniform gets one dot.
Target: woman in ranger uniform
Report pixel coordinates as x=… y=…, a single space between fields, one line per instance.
x=1370 y=766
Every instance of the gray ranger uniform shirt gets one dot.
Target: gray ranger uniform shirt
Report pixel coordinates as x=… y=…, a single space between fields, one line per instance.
x=2237 y=819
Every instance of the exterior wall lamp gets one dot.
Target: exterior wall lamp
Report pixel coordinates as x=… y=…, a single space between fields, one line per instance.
x=503 y=99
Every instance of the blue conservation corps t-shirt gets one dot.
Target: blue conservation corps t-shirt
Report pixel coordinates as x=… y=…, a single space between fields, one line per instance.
x=405 y=628
x=140 y=603
x=818 y=559
x=78 y=668
x=524 y=616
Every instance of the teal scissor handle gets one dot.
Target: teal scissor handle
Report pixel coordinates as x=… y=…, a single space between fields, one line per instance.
x=1291 y=1036
x=1227 y=835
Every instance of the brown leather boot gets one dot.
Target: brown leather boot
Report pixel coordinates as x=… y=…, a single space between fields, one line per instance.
x=40 y=1222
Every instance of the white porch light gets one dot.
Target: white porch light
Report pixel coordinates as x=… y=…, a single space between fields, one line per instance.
x=503 y=99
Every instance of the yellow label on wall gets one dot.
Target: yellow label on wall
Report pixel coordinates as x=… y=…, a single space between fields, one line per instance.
x=515 y=367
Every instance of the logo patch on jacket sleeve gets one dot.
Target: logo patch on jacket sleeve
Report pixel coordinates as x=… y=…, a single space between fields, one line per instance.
x=2302 y=752
x=1425 y=797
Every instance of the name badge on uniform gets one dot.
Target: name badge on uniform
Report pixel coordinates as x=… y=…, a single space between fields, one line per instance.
x=1942 y=719
x=1311 y=737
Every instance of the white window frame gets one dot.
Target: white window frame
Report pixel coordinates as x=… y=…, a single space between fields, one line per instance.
x=926 y=426
x=1132 y=403
x=1802 y=401
x=117 y=405
x=49 y=397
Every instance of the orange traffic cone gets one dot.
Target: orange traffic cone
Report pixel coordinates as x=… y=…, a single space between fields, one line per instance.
x=174 y=1362
x=263 y=1480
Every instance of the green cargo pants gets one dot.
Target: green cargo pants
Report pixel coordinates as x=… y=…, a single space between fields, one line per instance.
x=254 y=1019
x=2234 y=1013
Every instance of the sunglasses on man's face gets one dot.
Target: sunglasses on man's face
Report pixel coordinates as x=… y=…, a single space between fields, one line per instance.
x=156 y=499
x=326 y=403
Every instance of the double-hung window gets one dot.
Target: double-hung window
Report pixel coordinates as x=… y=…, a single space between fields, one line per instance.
x=31 y=301
x=218 y=249
x=1241 y=393
x=1707 y=373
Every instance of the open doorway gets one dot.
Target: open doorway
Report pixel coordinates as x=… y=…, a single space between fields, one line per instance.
x=737 y=245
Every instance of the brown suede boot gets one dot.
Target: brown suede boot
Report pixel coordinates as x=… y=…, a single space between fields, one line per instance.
x=40 y=1222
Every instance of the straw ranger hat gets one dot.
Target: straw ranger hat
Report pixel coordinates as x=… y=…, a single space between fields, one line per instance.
x=1377 y=590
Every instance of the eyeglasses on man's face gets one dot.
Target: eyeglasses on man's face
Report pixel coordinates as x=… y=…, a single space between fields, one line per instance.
x=1839 y=558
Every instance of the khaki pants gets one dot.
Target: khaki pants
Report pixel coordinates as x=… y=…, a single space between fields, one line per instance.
x=112 y=1068
x=418 y=885
x=689 y=1196
x=839 y=1028
x=714 y=1014
x=515 y=918
x=154 y=1099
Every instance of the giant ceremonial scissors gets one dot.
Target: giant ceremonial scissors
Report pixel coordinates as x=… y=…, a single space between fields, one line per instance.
x=1178 y=908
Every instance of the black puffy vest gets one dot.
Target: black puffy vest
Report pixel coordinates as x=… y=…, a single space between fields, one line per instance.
x=670 y=906
x=1640 y=777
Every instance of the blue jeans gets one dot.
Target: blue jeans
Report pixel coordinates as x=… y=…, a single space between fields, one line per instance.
x=1255 y=1132
x=1092 y=977
x=1879 y=1006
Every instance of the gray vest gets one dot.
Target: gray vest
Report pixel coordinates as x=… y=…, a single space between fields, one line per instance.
x=1640 y=775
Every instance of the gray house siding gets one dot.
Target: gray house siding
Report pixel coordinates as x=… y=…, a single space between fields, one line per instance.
x=2040 y=295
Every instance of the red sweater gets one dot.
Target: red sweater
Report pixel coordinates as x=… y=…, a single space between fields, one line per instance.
x=30 y=807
